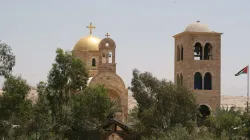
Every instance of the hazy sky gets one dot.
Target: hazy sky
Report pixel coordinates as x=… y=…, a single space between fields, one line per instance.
x=142 y=29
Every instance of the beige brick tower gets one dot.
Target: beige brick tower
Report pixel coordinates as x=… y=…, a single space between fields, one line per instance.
x=198 y=64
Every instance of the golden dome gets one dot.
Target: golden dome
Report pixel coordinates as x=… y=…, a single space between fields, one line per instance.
x=89 y=43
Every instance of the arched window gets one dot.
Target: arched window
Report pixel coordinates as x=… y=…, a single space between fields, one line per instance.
x=181 y=53
x=178 y=79
x=197 y=81
x=208 y=81
x=208 y=52
x=181 y=79
x=178 y=53
x=93 y=62
x=197 y=51
x=110 y=57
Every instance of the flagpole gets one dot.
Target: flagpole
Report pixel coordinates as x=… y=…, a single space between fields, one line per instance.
x=247 y=86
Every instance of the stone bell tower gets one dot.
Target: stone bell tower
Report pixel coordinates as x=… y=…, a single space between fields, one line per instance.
x=107 y=55
x=107 y=76
x=198 y=64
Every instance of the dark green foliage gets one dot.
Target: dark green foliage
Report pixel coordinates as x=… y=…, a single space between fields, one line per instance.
x=168 y=112
x=15 y=110
x=161 y=104
x=68 y=76
x=229 y=121
x=63 y=109
x=7 y=59
x=40 y=123
x=91 y=108
x=246 y=121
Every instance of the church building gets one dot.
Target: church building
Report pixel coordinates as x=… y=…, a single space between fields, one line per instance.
x=99 y=57
x=197 y=66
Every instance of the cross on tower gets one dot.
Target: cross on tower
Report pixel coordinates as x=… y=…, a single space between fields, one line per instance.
x=107 y=35
x=90 y=28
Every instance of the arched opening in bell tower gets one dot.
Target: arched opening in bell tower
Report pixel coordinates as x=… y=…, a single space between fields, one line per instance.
x=181 y=79
x=110 y=57
x=178 y=53
x=178 y=79
x=208 y=52
x=208 y=81
x=103 y=58
x=182 y=52
x=197 y=51
x=197 y=81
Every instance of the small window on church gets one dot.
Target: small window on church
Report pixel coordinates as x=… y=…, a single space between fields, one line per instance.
x=93 y=62
x=178 y=53
x=197 y=81
x=107 y=44
x=197 y=51
x=110 y=57
x=208 y=52
x=208 y=81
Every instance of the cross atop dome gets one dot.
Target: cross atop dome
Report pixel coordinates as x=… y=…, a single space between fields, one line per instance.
x=90 y=28
x=107 y=35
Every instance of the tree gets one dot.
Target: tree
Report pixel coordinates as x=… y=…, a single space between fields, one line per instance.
x=7 y=59
x=68 y=76
x=161 y=104
x=40 y=125
x=133 y=117
x=229 y=121
x=246 y=122
x=15 y=109
x=91 y=108
x=65 y=107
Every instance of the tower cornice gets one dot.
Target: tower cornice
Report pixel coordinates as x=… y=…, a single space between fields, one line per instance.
x=197 y=33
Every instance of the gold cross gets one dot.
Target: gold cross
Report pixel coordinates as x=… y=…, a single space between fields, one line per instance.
x=107 y=35
x=90 y=28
